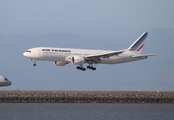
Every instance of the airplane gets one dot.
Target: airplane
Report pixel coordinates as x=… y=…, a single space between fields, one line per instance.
x=4 y=81
x=79 y=57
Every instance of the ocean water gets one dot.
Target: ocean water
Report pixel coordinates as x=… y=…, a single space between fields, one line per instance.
x=75 y=111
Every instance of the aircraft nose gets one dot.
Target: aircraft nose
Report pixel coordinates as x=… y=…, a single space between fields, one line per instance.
x=24 y=54
x=10 y=83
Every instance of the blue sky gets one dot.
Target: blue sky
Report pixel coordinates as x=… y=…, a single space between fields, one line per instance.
x=84 y=17
x=109 y=18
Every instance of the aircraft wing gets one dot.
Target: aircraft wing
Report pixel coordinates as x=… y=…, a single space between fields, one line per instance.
x=143 y=55
x=104 y=55
x=95 y=58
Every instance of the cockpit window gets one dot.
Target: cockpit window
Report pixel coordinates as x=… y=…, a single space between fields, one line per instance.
x=28 y=51
x=6 y=79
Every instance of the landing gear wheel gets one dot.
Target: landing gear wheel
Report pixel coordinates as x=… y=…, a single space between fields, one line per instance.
x=91 y=67
x=78 y=67
x=34 y=64
x=81 y=68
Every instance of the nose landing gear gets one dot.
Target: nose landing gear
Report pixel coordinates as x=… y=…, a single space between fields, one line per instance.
x=34 y=64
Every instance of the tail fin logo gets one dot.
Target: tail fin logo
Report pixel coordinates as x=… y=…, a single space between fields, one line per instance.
x=139 y=43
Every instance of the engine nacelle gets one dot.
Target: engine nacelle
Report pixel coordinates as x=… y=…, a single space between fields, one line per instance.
x=77 y=60
x=59 y=63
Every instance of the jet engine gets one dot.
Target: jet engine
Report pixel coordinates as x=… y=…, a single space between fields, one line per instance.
x=77 y=60
x=59 y=63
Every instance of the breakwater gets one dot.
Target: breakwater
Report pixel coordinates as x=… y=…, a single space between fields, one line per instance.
x=20 y=96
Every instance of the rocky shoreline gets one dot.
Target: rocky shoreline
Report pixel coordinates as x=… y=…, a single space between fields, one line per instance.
x=21 y=96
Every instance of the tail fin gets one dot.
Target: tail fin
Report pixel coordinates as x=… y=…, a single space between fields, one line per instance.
x=139 y=43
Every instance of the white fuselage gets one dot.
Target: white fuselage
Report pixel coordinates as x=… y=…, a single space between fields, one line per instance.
x=63 y=56
x=60 y=54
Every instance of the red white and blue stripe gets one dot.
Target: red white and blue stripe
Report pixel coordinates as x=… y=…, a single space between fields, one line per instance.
x=139 y=43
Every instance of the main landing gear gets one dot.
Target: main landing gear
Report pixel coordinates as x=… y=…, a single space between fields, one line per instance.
x=91 y=67
x=84 y=69
x=81 y=68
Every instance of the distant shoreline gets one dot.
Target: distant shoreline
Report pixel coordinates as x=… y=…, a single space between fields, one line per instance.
x=39 y=96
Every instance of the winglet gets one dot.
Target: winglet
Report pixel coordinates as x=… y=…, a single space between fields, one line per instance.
x=139 y=43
